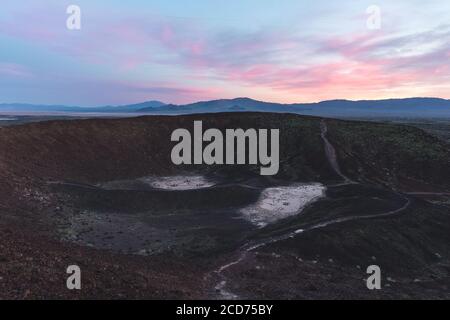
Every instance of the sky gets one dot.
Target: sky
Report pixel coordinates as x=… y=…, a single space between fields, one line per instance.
x=181 y=51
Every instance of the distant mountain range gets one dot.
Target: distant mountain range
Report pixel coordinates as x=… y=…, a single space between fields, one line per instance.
x=22 y=107
x=409 y=107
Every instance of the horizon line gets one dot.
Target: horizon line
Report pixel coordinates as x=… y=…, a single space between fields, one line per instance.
x=217 y=99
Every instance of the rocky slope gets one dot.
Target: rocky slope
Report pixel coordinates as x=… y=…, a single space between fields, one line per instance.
x=53 y=172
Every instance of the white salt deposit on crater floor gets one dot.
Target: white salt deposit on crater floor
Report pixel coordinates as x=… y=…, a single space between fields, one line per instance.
x=178 y=182
x=282 y=202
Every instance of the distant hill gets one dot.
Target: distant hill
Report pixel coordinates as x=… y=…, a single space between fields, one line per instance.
x=409 y=107
x=223 y=105
x=139 y=106
x=414 y=107
x=22 y=107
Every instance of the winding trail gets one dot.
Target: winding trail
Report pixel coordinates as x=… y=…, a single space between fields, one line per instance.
x=252 y=246
x=330 y=152
x=73 y=184
x=245 y=250
x=429 y=193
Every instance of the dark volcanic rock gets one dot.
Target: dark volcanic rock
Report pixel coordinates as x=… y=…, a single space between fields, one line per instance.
x=52 y=173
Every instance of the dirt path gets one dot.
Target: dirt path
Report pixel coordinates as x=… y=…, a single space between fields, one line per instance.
x=252 y=246
x=429 y=193
x=245 y=250
x=330 y=152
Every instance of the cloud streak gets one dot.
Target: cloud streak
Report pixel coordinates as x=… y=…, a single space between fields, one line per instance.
x=182 y=60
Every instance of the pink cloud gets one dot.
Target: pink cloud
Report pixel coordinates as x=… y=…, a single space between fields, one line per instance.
x=14 y=70
x=278 y=61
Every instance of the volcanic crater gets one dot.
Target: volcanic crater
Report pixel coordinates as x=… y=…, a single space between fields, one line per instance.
x=104 y=194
